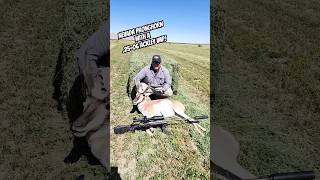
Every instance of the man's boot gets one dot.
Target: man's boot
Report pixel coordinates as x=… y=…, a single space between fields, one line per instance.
x=80 y=145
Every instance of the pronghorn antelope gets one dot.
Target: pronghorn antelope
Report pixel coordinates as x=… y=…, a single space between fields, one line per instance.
x=161 y=107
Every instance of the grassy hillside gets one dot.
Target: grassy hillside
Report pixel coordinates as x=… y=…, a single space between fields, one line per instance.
x=34 y=135
x=182 y=152
x=268 y=91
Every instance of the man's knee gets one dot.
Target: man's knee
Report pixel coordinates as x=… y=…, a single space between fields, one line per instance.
x=168 y=92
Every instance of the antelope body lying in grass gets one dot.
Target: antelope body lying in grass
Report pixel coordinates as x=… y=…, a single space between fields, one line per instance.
x=161 y=107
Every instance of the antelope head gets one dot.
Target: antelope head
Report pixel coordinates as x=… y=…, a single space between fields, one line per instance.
x=142 y=93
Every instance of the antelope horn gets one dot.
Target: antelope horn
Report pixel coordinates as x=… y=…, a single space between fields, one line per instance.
x=149 y=86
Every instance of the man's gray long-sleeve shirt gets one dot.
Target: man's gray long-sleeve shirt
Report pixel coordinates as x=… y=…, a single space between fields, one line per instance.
x=95 y=48
x=92 y=54
x=161 y=78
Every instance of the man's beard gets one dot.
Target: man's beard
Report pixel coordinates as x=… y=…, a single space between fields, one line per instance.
x=155 y=69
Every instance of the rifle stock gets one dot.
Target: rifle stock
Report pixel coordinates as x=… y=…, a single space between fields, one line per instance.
x=122 y=129
x=131 y=128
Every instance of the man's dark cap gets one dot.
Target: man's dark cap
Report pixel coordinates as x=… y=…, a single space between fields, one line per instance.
x=156 y=59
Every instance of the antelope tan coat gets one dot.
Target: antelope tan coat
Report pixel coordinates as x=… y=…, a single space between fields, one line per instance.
x=161 y=107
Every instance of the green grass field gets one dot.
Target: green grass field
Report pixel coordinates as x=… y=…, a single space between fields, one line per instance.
x=180 y=153
x=268 y=94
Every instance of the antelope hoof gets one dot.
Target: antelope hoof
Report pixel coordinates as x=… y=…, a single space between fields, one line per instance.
x=149 y=132
x=202 y=128
x=196 y=127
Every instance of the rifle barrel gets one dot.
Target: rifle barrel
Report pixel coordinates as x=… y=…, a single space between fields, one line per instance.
x=303 y=175
x=157 y=118
x=201 y=117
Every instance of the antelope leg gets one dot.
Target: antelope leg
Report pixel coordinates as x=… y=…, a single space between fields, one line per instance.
x=199 y=126
x=196 y=127
x=149 y=132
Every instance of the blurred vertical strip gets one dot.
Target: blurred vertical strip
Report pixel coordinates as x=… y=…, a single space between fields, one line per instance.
x=108 y=97
x=216 y=57
x=81 y=20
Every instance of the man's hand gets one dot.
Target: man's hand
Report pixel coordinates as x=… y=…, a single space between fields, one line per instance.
x=159 y=89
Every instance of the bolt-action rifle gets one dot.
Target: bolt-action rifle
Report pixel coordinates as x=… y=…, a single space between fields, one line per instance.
x=145 y=123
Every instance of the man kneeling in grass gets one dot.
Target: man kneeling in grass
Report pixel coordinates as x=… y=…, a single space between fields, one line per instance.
x=156 y=76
